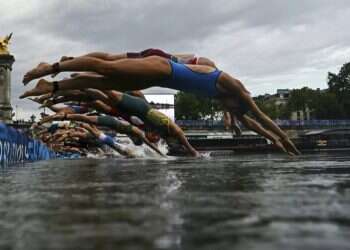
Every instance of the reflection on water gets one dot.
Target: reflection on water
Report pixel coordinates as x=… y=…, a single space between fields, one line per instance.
x=241 y=202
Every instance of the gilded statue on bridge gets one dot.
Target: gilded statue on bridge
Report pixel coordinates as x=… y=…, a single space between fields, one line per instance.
x=4 y=42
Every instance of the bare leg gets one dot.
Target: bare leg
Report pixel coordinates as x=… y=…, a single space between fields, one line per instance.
x=56 y=109
x=66 y=98
x=115 y=96
x=106 y=56
x=43 y=86
x=206 y=61
x=82 y=118
x=98 y=55
x=126 y=70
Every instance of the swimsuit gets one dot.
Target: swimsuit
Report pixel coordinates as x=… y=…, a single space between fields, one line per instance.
x=160 y=53
x=135 y=106
x=151 y=52
x=185 y=79
x=53 y=128
x=158 y=121
x=119 y=126
x=78 y=109
x=89 y=141
x=106 y=139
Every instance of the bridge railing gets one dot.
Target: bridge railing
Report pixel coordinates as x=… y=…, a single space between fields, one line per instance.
x=286 y=124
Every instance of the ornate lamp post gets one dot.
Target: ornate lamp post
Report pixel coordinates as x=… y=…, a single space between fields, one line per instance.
x=6 y=61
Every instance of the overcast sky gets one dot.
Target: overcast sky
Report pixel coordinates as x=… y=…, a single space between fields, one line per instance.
x=267 y=44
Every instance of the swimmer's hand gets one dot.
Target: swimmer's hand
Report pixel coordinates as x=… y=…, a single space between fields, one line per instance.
x=145 y=140
x=236 y=129
x=34 y=126
x=278 y=144
x=290 y=147
x=196 y=154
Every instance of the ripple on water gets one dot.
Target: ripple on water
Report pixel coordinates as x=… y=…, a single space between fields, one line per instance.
x=217 y=202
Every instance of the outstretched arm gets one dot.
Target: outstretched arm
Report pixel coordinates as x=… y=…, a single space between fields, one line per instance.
x=227 y=120
x=256 y=127
x=180 y=135
x=107 y=140
x=137 y=132
x=269 y=124
x=230 y=122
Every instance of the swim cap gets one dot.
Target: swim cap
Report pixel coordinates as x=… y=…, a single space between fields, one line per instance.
x=152 y=136
x=136 y=140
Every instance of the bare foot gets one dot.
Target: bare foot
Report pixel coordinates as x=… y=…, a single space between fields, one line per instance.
x=41 y=70
x=41 y=99
x=37 y=100
x=88 y=74
x=47 y=103
x=42 y=87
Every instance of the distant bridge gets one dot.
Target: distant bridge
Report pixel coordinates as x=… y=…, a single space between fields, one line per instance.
x=162 y=105
x=285 y=124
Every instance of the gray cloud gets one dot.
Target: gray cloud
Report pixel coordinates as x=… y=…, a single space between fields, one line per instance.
x=268 y=44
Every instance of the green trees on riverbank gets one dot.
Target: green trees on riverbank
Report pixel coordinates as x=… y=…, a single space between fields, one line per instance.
x=339 y=85
x=191 y=107
x=330 y=103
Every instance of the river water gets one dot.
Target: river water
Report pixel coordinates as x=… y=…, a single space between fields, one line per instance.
x=223 y=202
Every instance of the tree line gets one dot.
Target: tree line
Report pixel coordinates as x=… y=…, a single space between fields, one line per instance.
x=330 y=103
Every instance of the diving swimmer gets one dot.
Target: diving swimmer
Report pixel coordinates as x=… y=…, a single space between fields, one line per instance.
x=141 y=73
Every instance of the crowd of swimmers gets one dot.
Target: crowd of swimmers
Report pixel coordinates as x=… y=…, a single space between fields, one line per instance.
x=103 y=94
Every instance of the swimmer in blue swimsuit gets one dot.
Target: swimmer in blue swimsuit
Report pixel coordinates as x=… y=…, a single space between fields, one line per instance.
x=135 y=74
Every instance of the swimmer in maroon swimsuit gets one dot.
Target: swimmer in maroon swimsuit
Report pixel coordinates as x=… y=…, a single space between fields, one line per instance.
x=180 y=58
